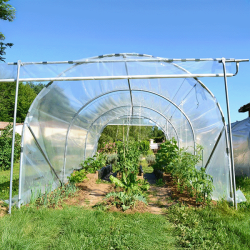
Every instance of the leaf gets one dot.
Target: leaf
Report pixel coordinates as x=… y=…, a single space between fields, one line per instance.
x=116 y=181
x=125 y=207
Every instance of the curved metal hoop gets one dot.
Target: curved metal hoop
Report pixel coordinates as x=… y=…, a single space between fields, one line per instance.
x=124 y=107
x=164 y=131
x=114 y=91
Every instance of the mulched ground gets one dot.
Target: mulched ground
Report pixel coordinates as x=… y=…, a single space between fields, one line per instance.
x=90 y=194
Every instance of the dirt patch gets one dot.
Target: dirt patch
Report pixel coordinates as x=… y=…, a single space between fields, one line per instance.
x=168 y=195
x=140 y=207
x=91 y=194
x=3 y=209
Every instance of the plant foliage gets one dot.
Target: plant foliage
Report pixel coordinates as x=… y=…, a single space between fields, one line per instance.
x=55 y=197
x=7 y=13
x=77 y=176
x=92 y=164
x=6 y=145
x=26 y=95
x=128 y=162
x=182 y=167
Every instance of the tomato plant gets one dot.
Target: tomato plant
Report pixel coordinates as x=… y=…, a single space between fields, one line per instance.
x=182 y=167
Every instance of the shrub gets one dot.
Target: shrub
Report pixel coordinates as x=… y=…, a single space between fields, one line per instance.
x=111 y=158
x=109 y=147
x=5 y=147
x=150 y=159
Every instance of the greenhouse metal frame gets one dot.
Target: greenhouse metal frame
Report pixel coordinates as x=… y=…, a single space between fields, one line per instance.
x=143 y=100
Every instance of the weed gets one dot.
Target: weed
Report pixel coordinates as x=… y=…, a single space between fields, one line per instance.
x=160 y=183
x=100 y=181
x=87 y=201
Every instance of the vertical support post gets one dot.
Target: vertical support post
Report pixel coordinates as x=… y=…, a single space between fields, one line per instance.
x=230 y=134
x=21 y=168
x=13 y=136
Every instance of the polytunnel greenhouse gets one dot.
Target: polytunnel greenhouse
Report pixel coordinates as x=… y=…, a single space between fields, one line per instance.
x=82 y=97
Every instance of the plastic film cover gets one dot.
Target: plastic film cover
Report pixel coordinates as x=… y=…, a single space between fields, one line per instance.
x=67 y=117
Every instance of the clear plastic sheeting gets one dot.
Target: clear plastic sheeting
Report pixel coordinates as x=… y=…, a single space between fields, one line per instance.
x=8 y=71
x=68 y=117
x=241 y=146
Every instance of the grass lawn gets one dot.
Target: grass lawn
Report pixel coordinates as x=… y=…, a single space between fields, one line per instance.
x=220 y=227
x=214 y=227
x=77 y=228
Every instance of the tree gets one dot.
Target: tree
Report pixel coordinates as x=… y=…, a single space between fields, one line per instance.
x=26 y=95
x=112 y=133
x=7 y=12
x=6 y=145
x=36 y=87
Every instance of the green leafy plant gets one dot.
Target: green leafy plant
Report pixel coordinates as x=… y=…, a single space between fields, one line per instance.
x=122 y=199
x=77 y=176
x=5 y=147
x=182 y=167
x=92 y=164
x=128 y=163
x=144 y=147
x=100 y=181
x=166 y=156
x=150 y=159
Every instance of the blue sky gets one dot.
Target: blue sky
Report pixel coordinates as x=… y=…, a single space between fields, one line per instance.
x=47 y=30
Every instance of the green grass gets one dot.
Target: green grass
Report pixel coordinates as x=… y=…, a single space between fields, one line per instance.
x=220 y=227
x=77 y=228
x=5 y=182
x=211 y=228
x=214 y=227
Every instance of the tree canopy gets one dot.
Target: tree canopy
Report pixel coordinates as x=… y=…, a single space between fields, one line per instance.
x=113 y=133
x=36 y=87
x=7 y=13
x=26 y=95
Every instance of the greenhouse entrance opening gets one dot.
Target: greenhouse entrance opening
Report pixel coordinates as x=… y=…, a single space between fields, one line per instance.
x=82 y=97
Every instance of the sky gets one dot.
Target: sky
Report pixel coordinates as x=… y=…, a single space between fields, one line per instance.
x=54 y=30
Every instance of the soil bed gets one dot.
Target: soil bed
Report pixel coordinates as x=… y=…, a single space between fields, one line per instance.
x=90 y=194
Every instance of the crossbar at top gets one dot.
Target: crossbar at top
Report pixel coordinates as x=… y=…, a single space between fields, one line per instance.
x=88 y=78
x=99 y=60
